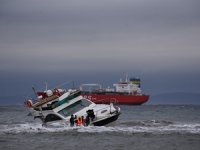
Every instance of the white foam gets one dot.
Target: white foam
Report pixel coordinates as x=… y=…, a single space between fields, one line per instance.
x=38 y=128
x=177 y=128
x=31 y=128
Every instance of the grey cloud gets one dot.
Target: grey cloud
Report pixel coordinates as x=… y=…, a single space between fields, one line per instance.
x=100 y=10
x=107 y=35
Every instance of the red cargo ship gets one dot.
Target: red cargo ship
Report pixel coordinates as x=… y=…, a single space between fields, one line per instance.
x=126 y=92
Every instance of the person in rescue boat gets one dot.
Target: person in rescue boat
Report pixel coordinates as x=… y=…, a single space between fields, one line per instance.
x=91 y=114
x=87 y=120
x=72 y=120
x=83 y=120
x=75 y=120
x=79 y=121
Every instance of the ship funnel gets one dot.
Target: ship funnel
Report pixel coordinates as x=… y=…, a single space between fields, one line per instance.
x=136 y=81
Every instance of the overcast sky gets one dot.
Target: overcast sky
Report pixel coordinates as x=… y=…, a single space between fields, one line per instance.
x=100 y=40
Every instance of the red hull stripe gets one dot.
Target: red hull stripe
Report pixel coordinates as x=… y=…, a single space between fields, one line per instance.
x=120 y=99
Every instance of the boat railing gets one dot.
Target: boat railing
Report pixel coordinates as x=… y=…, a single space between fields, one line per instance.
x=45 y=100
x=90 y=87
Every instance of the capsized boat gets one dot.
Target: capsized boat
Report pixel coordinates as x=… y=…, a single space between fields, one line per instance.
x=58 y=105
x=126 y=92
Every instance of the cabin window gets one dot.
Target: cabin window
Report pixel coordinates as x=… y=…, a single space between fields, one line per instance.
x=52 y=117
x=103 y=111
x=75 y=107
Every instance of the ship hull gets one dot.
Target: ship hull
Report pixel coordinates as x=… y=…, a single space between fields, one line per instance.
x=107 y=98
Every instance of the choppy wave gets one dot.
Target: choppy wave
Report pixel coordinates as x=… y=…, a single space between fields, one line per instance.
x=153 y=127
x=148 y=123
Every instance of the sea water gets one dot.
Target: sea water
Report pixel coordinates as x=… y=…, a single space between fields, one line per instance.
x=146 y=127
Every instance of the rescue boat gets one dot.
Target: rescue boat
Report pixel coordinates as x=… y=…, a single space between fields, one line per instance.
x=58 y=105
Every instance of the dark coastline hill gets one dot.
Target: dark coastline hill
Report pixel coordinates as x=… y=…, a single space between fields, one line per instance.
x=176 y=98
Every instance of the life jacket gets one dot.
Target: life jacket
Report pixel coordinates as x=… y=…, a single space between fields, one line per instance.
x=57 y=92
x=29 y=103
x=83 y=121
x=79 y=121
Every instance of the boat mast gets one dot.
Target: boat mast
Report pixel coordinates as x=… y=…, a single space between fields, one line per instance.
x=34 y=91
